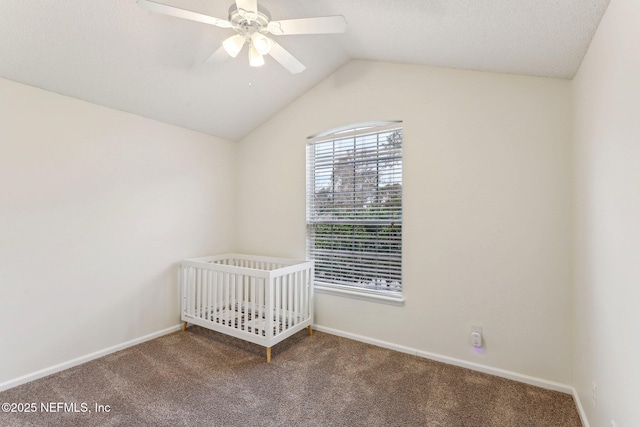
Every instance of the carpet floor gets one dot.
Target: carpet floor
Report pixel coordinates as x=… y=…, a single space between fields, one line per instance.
x=203 y=378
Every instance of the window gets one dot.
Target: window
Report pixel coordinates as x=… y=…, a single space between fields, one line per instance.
x=354 y=209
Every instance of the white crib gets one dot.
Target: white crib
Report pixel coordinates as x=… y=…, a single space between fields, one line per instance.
x=258 y=299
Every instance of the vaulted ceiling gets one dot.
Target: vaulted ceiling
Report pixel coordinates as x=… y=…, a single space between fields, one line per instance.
x=116 y=54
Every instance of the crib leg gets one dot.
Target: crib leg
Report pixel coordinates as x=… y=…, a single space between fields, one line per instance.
x=268 y=354
x=310 y=330
x=184 y=326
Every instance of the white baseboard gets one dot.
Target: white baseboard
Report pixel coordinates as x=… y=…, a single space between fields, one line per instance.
x=83 y=359
x=539 y=382
x=581 y=412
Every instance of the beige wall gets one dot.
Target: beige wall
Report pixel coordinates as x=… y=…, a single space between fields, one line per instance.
x=607 y=251
x=96 y=209
x=487 y=204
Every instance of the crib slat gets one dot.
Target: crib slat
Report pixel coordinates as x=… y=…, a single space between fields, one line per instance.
x=188 y=291
x=233 y=300
x=292 y=300
x=290 y=304
x=298 y=309
x=296 y=297
x=192 y=292
x=269 y=308
x=209 y=290
x=283 y=303
x=297 y=284
x=238 y=304
x=305 y=284
x=248 y=309
x=278 y=305
x=229 y=299
x=204 y=311
x=207 y=299
x=245 y=301
x=199 y=293
x=283 y=297
x=260 y=305
x=239 y=300
x=261 y=316
x=183 y=290
x=201 y=304
x=205 y=296
x=254 y=305
x=216 y=288
x=187 y=285
x=212 y=297
x=225 y=299
x=303 y=296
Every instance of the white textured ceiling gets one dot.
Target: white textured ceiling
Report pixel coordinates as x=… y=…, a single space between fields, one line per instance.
x=116 y=54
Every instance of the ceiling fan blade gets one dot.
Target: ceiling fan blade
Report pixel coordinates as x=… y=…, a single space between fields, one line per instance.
x=285 y=59
x=319 y=25
x=217 y=57
x=182 y=13
x=248 y=9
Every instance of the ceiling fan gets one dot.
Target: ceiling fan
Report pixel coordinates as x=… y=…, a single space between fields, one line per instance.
x=251 y=24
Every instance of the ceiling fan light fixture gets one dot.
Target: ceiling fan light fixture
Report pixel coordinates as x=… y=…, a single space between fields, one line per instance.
x=262 y=43
x=233 y=45
x=255 y=58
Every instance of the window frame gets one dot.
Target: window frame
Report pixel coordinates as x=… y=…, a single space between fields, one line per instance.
x=395 y=297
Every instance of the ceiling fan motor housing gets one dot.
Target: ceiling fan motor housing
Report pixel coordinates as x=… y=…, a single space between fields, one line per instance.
x=247 y=23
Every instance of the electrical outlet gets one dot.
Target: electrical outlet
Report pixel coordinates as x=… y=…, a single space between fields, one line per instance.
x=594 y=394
x=476 y=336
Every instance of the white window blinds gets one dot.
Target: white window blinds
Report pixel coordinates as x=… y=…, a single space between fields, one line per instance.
x=354 y=209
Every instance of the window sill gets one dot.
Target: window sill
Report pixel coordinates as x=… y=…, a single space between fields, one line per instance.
x=361 y=295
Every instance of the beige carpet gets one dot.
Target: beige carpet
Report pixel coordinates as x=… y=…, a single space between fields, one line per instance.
x=202 y=378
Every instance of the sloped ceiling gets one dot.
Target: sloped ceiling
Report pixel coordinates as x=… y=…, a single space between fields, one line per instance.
x=116 y=54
